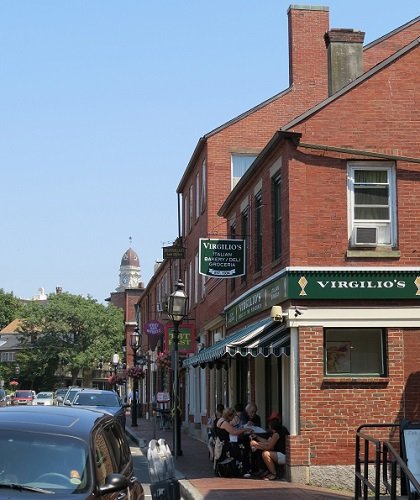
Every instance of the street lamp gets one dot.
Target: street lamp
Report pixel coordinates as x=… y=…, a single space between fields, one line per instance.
x=115 y=363
x=135 y=344
x=177 y=310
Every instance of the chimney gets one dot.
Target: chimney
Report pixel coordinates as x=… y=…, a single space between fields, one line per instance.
x=307 y=53
x=345 y=57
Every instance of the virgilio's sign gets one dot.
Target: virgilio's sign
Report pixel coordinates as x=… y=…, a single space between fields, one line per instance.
x=222 y=258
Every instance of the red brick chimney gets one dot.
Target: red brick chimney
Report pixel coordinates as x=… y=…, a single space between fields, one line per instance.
x=307 y=53
x=345 y=57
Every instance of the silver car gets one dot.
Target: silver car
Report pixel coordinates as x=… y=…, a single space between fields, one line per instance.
x=44 y=398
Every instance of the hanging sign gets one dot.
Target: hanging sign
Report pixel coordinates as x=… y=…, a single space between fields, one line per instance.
x=153 y=327
x=186 y=338
x=222 y=258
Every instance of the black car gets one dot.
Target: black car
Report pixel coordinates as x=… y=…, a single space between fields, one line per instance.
x=65 y=451
x=102 y=400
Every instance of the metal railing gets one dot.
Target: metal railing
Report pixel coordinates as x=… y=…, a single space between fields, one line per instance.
x=381 y=456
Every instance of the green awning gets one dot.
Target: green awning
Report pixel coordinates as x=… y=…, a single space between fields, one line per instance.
x=259 y=338
x=272 y=341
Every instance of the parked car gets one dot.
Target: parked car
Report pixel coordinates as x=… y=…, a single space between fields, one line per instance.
x=44 y=398
x=3 y=397
x=22 y=397
x=69 y=452
x=70 y=394
x=103 y=400
x=59 y=394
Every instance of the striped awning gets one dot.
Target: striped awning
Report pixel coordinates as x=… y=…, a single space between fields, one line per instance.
x=260 y=338
x=272 y=341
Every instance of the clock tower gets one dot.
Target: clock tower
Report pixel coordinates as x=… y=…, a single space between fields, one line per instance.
x=129 y=271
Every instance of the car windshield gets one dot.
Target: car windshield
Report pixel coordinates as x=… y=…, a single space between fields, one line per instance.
x=44 y=395
x=71 y=394
x=93 y=399
x=23 y=394
x=44 y=461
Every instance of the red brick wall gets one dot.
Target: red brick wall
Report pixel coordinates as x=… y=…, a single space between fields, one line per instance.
x=331 y=409
x=384 y=47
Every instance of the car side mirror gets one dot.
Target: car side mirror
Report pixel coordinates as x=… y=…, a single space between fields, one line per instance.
x=67 y=402
x=114 y=482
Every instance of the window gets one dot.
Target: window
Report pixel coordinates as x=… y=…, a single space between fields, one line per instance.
x=203 y=185
x=196 y=275
x=232 y=237
x=258 y=231
x=7 y=357
x=190 y=205
x=186 y=224
x=197 y=196
x=240 y=164
x=277 y=220
x=372 y=217
x=354 y=351
x=244 y=231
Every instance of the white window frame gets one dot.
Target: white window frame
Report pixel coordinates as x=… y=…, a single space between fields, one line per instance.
x=203 y=185
x=190 y=207
x=383 y=226
x=197 y=196
x=237 y=156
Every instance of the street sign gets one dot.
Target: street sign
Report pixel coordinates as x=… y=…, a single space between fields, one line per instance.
x=174 y=252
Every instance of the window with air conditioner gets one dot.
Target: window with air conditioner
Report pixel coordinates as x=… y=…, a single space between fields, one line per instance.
x=372 y=206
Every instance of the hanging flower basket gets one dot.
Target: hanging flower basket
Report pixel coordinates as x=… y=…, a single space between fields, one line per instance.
x=117 y=378
x=136 y=372
x=163 y=361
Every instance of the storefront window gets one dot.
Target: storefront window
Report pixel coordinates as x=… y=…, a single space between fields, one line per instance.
x=354 y=352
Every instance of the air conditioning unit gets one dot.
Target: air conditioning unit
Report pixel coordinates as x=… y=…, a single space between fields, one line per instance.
x=159 y=307
x=366 y=236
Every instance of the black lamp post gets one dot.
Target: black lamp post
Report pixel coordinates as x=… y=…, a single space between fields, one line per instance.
x=177 y=310
x=135 y=343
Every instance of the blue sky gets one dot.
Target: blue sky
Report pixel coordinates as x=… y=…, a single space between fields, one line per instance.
x=102 y=105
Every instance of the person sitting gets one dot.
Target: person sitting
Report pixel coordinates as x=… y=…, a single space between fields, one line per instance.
x=273 y=449
x=211 y=433
x=239 y=448
x=250 y=417
x=237 y=419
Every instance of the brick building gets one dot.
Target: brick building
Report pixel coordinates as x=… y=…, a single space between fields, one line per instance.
x=329 y=215
x=321 y=182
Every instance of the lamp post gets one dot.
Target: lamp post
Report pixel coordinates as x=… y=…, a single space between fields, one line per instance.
x=177 y=310
x=115 y=364
x=135 y=343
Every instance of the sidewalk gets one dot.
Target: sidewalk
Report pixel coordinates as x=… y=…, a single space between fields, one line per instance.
x=197 y=479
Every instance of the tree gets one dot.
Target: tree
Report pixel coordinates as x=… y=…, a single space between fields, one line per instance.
x=9 y=308
x=68 y=333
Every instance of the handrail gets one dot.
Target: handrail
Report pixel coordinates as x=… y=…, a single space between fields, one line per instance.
x=363 y=478
x=396 y=460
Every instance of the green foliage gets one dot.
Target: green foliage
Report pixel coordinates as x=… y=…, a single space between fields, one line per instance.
x=9 y=308
x=67 y=333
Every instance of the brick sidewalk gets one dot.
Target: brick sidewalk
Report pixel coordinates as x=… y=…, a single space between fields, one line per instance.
x=198 y=481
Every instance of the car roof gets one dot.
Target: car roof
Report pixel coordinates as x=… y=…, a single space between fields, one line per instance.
x=97 y=391
x=71 y=421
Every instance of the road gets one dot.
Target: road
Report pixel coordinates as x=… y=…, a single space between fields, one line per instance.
x=141 y=470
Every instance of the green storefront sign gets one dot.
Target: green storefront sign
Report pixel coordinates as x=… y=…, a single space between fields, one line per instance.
x=222 y=258
x=326 y=285
x=354 y=285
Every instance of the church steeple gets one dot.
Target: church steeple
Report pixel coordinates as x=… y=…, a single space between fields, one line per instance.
x=130 y=276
